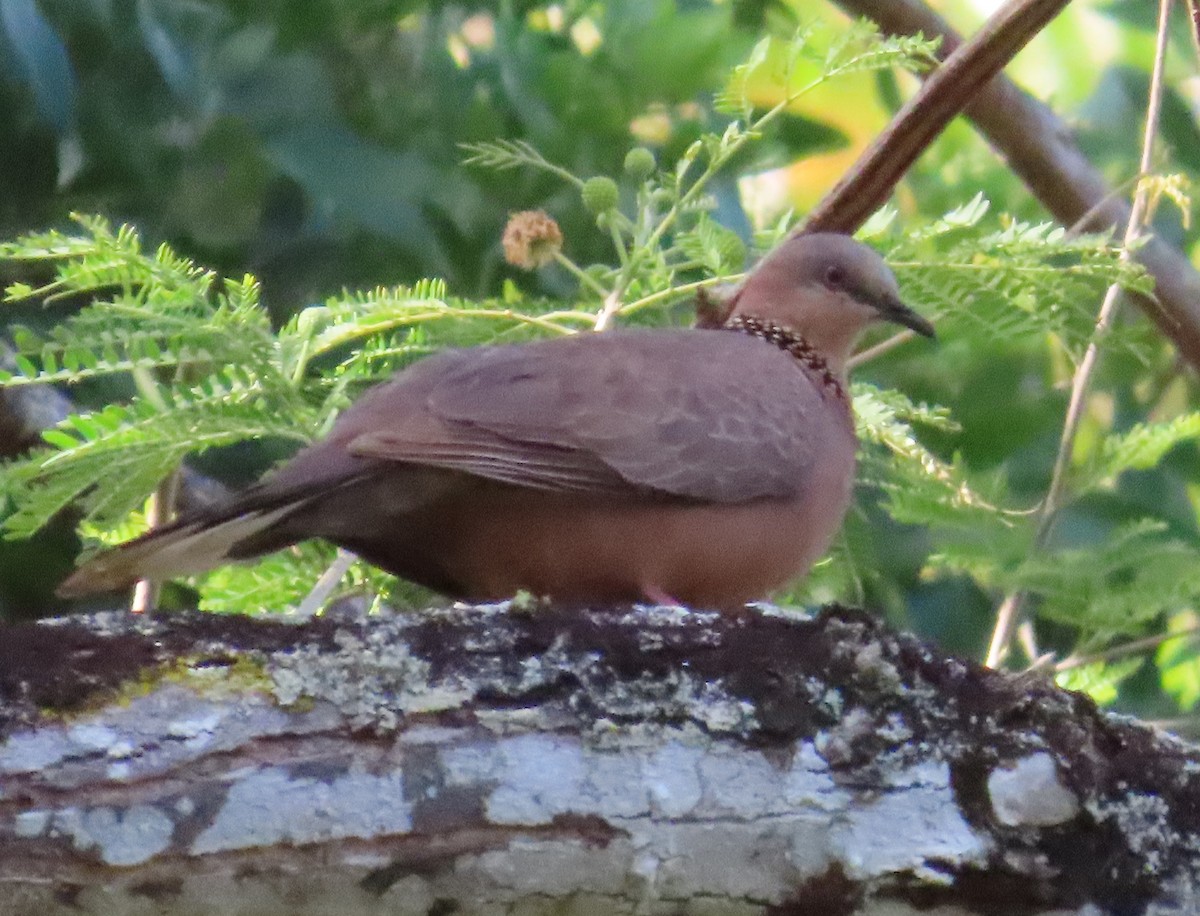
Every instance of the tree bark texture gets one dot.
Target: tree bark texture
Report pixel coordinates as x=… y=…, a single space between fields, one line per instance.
x=639 y=760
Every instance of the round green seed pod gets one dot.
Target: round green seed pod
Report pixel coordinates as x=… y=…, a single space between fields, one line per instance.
x=601 y=273
x=600 y=194
x=662 y=198
x=639 y=163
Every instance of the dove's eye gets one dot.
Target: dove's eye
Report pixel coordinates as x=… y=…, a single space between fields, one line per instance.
x=834 y=276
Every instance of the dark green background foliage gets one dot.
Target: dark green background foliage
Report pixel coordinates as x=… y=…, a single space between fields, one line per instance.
x=314 y=143
x=318 y=146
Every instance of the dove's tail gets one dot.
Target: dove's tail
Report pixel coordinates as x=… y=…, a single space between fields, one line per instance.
x=190 y=545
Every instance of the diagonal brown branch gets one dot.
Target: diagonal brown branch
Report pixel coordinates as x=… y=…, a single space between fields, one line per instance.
x=1038 y=147
x=945 y=93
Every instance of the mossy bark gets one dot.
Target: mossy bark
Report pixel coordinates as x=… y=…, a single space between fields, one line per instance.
x=480 y=760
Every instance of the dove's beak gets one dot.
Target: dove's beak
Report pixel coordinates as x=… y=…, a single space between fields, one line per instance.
x=892 y=309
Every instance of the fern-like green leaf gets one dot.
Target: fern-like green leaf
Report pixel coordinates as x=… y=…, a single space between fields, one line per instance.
x=274 y=583
x=862 y=48
x=502 y=155
x=109 y=461
x=711 y=246
x=1140 y=448
x=813 y=55
x=1025 y=279
x=932 y=489
x=1100 y=680
x=1117 y=587
x=1179 y=662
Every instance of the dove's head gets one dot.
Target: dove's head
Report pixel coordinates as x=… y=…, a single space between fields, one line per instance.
x=827 y=288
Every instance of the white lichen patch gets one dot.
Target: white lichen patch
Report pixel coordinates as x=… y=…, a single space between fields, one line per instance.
x=373 y=681
x=675 y=695
x=544 y=668
x=809 y=786
x=894 y=729
x=531 y=779
x=691 y=819
x=737 y=867
x=1144 y=823
x=726 y=860
x=928 y=774
x=535 y=778
x=30 y=752
x=721 y=712
x=93 y=736
x=197 y=729
x=148 y=735
x=672 y=780
x=128 y=836
x=532 y=867
x=784 y=613
x=836 y=744
x=867 y=842
x=269 y=806
x=665 y=616
x=31 y=823
x=538 y=777
x=1029 y=793
x=745 y=785
x=871 y=664
x=830 y=701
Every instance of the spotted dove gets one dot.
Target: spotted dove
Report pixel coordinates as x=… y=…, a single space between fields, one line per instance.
x=708 y=466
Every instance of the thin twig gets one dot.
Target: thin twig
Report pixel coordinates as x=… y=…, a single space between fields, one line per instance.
x=579 y=274
x=614 y=301
x=1009 y=614
x=1027 y=639
x=1129 y=648
x=1194 y=17
x=160 y=509
x=1176 y=725
x=884 y=346
x=678 y=292
x=161 y=504
x=608 y=311
x=1097 y=209
x=328 y=581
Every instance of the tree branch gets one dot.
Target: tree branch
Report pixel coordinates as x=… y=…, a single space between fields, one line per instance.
x=486 y=760
x=1038 y=147
x=947 y=90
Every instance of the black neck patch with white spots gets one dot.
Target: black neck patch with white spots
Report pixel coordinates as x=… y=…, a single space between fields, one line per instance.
x=789 y=342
